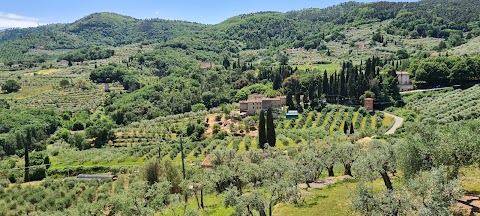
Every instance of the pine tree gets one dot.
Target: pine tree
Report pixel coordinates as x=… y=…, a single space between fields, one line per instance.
x=262 y=136
x=271 y=137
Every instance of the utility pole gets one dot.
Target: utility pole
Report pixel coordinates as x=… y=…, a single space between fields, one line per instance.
x=183 y=165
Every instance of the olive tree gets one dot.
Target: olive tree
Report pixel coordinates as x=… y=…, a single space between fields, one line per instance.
x=376 y=159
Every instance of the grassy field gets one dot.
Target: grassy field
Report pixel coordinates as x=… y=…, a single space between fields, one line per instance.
x=330 y=68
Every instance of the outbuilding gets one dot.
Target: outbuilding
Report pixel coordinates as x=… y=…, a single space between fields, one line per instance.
x=292 y=114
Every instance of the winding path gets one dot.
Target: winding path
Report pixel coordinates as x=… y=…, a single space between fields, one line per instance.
x=398 y=123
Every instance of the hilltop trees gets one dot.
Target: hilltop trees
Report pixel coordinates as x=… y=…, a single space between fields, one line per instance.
x=85 y=54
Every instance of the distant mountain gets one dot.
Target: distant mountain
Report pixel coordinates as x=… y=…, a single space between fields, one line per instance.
x=308 y=28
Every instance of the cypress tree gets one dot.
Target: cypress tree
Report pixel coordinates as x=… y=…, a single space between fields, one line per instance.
x=325 y=83
x=337 y=83
x=21 y=141
x=351 y=128
x=271 y=136
x=290 y=101
x=262 y=136
x=331 y=85
x=297 y=99
x=345 y=130
x=343 y=90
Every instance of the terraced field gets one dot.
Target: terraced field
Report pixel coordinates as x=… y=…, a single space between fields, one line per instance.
x=161 y=133
x=449 y=106
x=41 y=89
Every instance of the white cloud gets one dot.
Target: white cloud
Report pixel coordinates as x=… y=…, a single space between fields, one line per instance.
x=10 y=20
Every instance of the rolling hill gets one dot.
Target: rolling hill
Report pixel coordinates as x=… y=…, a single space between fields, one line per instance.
x=308 y=28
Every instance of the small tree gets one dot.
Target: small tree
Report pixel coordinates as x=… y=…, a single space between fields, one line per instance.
x=11 y=86
x=4 y=104
x=152 y=172
x=101 y=131
x=377 y=159
x=64 y=83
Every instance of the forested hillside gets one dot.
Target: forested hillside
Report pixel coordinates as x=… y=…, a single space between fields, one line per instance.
x=100 y=29
x=160 y=105
x=455 y=21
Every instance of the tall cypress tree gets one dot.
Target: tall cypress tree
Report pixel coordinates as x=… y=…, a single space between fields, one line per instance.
x=262 y=136
x=325 y=83
x=351 y=128
x=331 y=86
x=290 y=103
x=22 y=141
x=271 y=136
x=343 y=90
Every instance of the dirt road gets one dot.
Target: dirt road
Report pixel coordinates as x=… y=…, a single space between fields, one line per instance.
x=398 y=123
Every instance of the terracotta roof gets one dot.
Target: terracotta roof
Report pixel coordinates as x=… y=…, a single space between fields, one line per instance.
x=207 y=163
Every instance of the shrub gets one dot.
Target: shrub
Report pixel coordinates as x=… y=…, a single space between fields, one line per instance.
x=11 y=178
x=152 y=172
x=77 y=126
x=221 y=135
x=11 y=86
x=37 y=174
x=4 y=183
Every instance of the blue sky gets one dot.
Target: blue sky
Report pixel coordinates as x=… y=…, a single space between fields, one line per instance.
x=27 y=13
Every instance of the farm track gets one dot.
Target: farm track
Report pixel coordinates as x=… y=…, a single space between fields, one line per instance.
x=398 y=123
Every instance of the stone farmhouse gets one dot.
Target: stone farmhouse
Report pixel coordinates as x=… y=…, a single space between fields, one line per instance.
x=404 y=83
x=261 y=102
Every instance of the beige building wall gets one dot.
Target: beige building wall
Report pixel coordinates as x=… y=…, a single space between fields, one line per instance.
x=260 y=102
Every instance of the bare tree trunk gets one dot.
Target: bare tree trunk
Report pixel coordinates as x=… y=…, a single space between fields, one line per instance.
x=201 y=199
x=196 y=197
x=262 y=212
x=386 y=180
x=348 y=169
x=270 y=209
x=330 y=171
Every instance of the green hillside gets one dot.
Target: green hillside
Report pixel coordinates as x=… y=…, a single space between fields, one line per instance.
x=161 y=105
x=454 y=21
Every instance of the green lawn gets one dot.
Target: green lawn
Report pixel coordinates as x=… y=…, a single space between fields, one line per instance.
x=331 y=68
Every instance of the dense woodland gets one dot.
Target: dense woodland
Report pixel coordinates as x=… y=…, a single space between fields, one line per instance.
x=114 y=94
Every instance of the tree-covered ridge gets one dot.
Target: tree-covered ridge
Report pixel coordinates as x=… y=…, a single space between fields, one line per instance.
x=100 y=29
x=308 y=28
x=114 y=29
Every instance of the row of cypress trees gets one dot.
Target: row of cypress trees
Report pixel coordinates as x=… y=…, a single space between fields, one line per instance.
x=266 y=130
